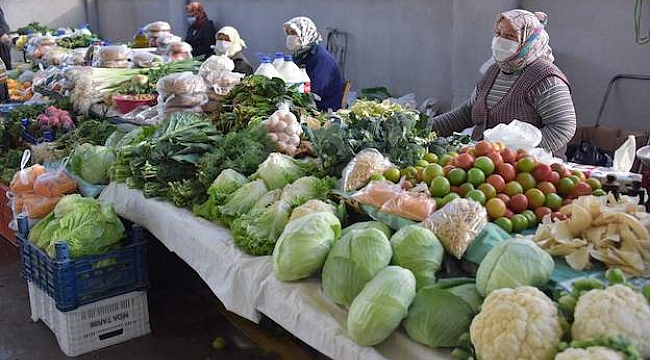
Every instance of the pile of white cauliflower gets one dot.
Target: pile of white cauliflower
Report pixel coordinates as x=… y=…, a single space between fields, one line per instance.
x=608 y=323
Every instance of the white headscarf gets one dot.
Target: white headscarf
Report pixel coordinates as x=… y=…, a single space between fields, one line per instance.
x=236 y=43
x=306 y=31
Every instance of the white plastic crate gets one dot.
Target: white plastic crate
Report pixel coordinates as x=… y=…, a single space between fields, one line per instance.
x=92 y=326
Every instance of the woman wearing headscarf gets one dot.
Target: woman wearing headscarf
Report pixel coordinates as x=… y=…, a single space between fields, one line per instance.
x=230 y=44
x=201 y=32
x=523 y=84
x=304 y=40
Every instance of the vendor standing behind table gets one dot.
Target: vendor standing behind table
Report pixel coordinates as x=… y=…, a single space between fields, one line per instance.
x=304 y=40
x=5 y=57
x=523 y=84
x=201 y=32
x=229 y=43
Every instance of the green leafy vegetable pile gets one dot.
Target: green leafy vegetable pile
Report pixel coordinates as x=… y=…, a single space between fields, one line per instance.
x=401 y=134
x=76 y=41
x=92 y=163
x=162 y=160
x=90 y=131
x=255 y=98
x=89 y=226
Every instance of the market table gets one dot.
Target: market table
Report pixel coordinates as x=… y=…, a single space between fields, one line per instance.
x=247 y=286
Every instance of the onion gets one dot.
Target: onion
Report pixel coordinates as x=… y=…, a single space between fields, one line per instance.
x=273 y=136
x=280 y=126
x=283 y=137
x=294 y=139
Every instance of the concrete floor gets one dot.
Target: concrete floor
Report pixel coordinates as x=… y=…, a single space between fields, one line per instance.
x=185 y=317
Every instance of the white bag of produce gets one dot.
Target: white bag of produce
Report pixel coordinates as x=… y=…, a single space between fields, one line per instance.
x=517 y=135
x=284 y=129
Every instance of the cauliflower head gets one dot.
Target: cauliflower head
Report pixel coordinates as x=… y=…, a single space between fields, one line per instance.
x=616 y=310
x=517 y=324
x=590 y=353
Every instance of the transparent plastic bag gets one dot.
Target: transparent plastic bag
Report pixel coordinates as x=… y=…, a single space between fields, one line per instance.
x=181 y=83
x=410 y=205
x=23 y=180
x=186 y=100
x=113 y=52
x=34 y=206
x=55 y=183
x=216 y=63
x=517 y=135
x=145 y=59
x=284 y=129
x=164 y=39
x=457 y=225
x=377 y=193
x=367 y=163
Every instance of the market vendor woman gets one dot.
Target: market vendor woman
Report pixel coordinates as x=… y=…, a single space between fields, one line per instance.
x=304 y=40
x=229 y=42
x=202 y=30
x=523 y=84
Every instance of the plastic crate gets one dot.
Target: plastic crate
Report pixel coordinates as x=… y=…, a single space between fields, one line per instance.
x=93 y=326
x=75 y=282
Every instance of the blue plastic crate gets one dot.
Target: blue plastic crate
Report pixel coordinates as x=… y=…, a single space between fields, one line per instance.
x=75 y=282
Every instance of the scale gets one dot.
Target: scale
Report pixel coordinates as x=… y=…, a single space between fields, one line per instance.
x=644 y=155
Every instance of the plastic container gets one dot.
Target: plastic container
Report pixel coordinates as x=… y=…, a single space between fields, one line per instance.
x=140 y=40
x=267 y=69
x=305 y=81
x=290 y=71
x=75 y=282
x=93 y=326
x=278 y=61
x=126 y=103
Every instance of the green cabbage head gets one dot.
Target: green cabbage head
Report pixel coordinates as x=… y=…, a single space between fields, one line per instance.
x=419 y=250
x=354 y=260
x=441 y=313
x=380 y=307
x=92 y=163
x=304 y=244
x=367 y=225
x=513 y=263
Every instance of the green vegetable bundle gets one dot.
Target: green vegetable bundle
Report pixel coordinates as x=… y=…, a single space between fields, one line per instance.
x=92 y=163
x=87 y=225
x=255 y=98
x=162 y=160
x=401 y=134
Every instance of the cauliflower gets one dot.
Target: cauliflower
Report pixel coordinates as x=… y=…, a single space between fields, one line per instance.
x=590 y=353
x=616 y=310
x=517 y=324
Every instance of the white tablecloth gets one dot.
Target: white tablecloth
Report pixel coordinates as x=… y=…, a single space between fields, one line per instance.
x=246 y=284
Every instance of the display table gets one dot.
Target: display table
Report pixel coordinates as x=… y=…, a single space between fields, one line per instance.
x=246 y=284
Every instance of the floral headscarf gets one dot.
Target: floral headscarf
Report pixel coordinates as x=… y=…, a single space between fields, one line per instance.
x=306 y=31
x=533 y=39
x=236 y=43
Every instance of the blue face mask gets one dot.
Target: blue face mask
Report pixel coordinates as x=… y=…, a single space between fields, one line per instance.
x=191 y=19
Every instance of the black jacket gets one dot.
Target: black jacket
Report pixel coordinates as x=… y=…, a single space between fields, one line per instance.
x=5 y=48
x=242 y=65
x=202 y=38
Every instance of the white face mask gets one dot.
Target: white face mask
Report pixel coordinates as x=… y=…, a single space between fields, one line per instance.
x=293 y=42
x=502 y=49
x=221 y=46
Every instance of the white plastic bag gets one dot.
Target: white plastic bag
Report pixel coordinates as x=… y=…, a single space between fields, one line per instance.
x=624 y=155
x=516 y=135
x=407 y=101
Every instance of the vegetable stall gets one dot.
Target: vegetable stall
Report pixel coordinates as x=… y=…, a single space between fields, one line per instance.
x=359 y=231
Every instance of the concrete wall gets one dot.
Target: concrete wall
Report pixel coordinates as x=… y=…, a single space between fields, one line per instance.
x=593 y=40
x=430 y=47
x=54 y=13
